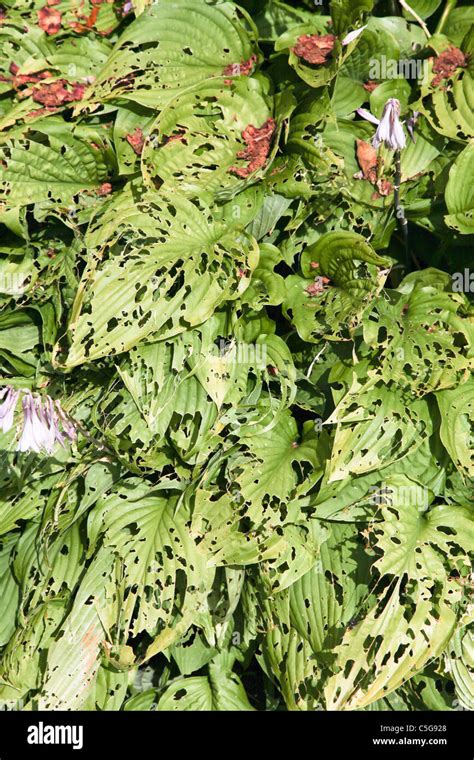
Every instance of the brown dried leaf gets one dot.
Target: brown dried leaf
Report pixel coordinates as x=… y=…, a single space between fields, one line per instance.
x=258 y=142
x=49 y=18
x=367 y=160
x=314 y=48
x=384 y=186
x=240 y=69
x=370 y=85
x=54 y=94
x=447 y=63
x=105 y=188
x=136 y=140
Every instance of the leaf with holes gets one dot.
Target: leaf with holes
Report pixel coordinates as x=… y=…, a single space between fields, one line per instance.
x=172 y=46
x=211 y=140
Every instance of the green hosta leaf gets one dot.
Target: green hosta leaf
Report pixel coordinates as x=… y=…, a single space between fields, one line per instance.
x=416 y=333
x=313 y=75
x=225 y=369
x=275 y=17
x=74 y=58
x=459 y=193
x=389 y=646
x=131 y=127
x=376 y=45
x=325 y=599
x=48 y=165
x=147 y=372
x=220 y=691
x=197 y=145
x=19 y=338
x=125 y=209
x=16 y=277
x=398 y=637
x=194 y=430
x=141 y=702
x=267 y=288
x=429 y=690
x=354 y=498
x=342 y=142
x=77 y=495
x=270 y=468
x=24 y=656
x=216 y=523
x=145 y=532
x=172 y=46
x=336 y=254
x=457 y=425
x=375 y=426
x=120 y=421
x=351 y=266
x=304 y=137
x=392 y=88
x=287 y=656
x=29 y=503
x=15 y=43
x=59 y=573
x=301 y=553
x=348 y=95
x=460 y=665
x=167 y=282
x=385 y=39
x=459 y=24
x=418 y=156
x=222 y=374
x=419 y=541
x=109 y=691
x=9 y=590
x=74 y=658
x=192 y=652
x=226 y=372
x=346 y=13
x=272 y=209
x=449 y=109
x=423 y=8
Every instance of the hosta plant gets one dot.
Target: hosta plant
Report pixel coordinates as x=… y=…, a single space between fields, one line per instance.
x=236 y=355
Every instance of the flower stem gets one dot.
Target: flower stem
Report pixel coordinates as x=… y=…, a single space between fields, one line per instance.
x=399 y=210
x=450 y=5
x=415 y=15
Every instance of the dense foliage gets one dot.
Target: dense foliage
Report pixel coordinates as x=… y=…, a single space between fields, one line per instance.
x=236 y=347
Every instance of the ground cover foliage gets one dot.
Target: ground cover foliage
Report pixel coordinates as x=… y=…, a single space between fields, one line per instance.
x=262 y=495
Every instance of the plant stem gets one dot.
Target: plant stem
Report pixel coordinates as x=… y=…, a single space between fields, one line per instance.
x=450 y=5
x=399 y=210
x=415 y=15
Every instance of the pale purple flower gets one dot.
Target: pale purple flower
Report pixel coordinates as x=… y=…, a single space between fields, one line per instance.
x=127 y=7
x=7 y=408
x=28 y=439
x=368 y=116
x=41 y=425
x=353 y=35
x=389 y=130
x=38 y=433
